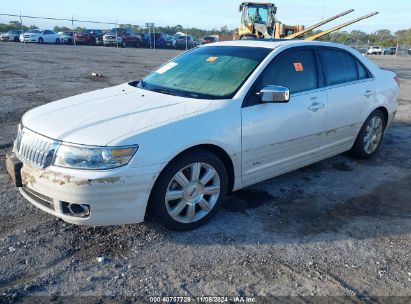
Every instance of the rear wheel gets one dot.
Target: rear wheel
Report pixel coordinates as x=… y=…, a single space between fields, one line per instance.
x=16 y=39
x=123 y=44
x=40 y=41
x=370 y=136
x=189 y=191
x=57 y=41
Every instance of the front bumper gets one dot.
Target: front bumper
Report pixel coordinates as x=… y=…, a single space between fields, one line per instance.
x=115 y=197
x=27 y=40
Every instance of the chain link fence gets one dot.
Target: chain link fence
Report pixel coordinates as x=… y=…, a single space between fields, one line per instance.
x=147 y=34
x=403 y=50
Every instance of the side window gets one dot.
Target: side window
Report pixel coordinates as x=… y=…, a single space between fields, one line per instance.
x=362 y=72
x=295 y=70
x=339 y=67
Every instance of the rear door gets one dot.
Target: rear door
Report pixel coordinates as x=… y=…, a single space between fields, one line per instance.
x=350 y=91
x=278 y=137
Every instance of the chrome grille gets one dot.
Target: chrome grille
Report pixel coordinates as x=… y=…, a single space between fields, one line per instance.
x=35 y=149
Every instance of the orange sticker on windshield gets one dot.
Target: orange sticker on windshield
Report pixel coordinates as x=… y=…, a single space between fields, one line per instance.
x=298 y=67
x=212 y=59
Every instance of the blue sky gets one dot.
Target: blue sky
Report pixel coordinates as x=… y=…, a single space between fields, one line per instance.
x=394 y=14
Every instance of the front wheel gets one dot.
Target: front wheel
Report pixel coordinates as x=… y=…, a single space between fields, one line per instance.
x=189 y=191
x=370 y=136
x=40 y=41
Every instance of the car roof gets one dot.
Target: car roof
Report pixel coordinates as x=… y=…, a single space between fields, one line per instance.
x=272 y=43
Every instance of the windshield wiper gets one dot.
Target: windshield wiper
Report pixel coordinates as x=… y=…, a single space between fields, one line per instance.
x=163 y=91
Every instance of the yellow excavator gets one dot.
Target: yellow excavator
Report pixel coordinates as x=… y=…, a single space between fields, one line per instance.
x=258 y=21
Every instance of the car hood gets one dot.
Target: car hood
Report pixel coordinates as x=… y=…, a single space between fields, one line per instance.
x=99 y=117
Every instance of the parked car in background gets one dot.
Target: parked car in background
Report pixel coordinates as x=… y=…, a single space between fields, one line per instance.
x=389 y=51
x=244 y=111
x=210 y=39
x=184 y=41
x=361 y=50
x=99 y=38
x=12 y=35
x=66 y=37
x=123 y=37
x=159 y=40
x=374 y=50
x=41 y=36
x=87 y=36
x=171 y=42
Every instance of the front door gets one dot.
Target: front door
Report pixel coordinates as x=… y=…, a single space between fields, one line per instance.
x=279 y=137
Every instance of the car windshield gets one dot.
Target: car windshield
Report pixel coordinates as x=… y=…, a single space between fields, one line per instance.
x=119 y=31
x=206 y=72
x=90 y=31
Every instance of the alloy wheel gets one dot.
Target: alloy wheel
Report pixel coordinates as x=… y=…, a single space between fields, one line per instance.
x=373 y=134
x=192 y=193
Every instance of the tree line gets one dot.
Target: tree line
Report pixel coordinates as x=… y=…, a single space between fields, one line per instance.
x=382 y=37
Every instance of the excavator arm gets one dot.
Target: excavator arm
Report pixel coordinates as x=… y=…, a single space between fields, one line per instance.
x=336 y=28
x=300 y=33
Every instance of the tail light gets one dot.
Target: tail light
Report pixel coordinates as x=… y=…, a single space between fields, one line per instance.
x=397 y=80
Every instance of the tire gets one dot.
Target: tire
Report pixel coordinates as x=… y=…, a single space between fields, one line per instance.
x=69 y=41
x=40 y=41
x=57 y=41
x=123 y=44
x=202 y=199
x=16 y=39
x=373 y=130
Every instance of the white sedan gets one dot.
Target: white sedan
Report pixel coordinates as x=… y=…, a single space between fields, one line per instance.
x=41 y=36
x=213 y=120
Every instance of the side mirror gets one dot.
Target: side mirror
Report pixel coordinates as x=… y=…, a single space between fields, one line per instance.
x=274 y=94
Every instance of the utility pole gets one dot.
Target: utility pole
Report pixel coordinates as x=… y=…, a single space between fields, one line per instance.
x=72 y=27
x=22 y=30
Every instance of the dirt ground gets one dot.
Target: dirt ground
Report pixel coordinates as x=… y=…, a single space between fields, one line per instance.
x=335 y=231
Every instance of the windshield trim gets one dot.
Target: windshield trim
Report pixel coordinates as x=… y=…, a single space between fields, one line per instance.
x=188 y=94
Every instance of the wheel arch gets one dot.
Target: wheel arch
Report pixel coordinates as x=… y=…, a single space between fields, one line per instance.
x=211 y=148
x=384 y=110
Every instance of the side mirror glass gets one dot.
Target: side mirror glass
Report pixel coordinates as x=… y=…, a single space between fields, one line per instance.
x=274 y=94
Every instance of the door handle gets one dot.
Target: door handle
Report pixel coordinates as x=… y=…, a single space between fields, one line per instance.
x=315 y=106
x=368 y=93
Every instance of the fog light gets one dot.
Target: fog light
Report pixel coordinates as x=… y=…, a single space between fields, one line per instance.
x=78 y=210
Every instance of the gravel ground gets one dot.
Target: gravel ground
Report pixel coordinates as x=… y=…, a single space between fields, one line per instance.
x=336 y=231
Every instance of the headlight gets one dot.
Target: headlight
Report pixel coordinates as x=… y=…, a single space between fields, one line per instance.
x=85 y=157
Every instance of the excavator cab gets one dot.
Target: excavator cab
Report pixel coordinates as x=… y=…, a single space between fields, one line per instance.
x=257 y=20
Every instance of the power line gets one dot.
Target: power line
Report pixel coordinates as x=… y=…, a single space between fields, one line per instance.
x=58 y=19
